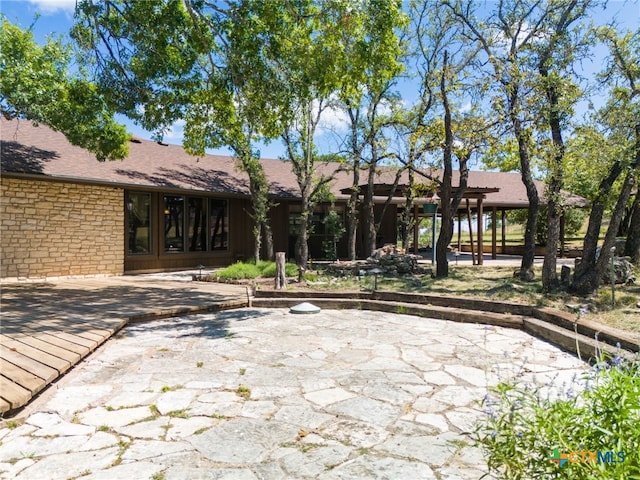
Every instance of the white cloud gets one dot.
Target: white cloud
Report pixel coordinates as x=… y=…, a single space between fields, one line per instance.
x=175 y=132
x=333 y=119
x=53 y=6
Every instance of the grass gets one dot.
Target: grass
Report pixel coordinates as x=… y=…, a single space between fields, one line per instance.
x=243 y=391
x=497 y=283
x=244 y=271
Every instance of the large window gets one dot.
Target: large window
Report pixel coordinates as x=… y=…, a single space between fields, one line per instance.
x=138 y=222
x=195 y=224
x=197 y=232
x=218 y=224
x=173 y=223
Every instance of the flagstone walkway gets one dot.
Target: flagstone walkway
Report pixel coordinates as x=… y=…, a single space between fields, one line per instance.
x=264 y=394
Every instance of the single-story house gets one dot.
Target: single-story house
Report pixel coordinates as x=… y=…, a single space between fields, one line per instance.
x=63 y=213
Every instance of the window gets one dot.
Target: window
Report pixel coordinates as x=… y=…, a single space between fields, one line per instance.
x=195 y=224
x=218 y=224
x=173 y=223
x=197 y=232
x=138 y=222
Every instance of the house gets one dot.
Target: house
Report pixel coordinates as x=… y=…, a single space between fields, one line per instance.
x=63 y=213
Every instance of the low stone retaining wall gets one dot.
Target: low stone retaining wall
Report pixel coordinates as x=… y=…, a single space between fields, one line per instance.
x=564 y=329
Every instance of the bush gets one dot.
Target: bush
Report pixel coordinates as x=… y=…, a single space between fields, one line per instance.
x=526 y=434
x=291 y=270
x=239 y=271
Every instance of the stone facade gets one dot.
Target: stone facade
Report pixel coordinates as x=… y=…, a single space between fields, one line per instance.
x=54 y=229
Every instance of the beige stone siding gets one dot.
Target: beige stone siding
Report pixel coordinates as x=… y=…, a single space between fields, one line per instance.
x=53 y=229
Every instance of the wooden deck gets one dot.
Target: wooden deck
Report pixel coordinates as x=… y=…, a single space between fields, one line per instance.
x=47 y=328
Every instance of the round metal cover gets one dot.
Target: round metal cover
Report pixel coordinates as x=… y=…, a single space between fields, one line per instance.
x=304 y=307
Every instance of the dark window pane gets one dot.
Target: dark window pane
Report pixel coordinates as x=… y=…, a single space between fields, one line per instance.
x=173 y=223
x=219 y=224
x=138 y=222
x=197 y=233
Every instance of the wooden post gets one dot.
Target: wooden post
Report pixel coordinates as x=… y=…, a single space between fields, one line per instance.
x=480 y=232
x=504 y=232
x=473 y=256
x=562 y=245
x=494 y=233
x=416 y=232
x=281 y=276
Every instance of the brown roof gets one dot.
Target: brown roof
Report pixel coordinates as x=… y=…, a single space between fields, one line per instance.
x=30 y=150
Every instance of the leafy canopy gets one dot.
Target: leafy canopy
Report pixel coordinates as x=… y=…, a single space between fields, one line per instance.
x=36 y=84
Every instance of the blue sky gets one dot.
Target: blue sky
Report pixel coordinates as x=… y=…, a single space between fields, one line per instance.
x=55 y=18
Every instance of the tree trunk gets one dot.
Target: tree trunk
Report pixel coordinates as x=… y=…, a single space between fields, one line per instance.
x=550 y=279
x=585 y=279
x=632 y=245
x=526 y=267
x=268 y=240
x=352 y=217
x=446 y=226
x=257 y=235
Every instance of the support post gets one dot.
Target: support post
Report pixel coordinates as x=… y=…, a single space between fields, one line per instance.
x=494 y=233
x=416 y=225
x=504 y=231
x=480 y=232
x=473 y=255
x=433 y=238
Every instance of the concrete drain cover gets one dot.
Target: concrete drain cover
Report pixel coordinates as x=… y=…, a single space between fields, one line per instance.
x=304 y=307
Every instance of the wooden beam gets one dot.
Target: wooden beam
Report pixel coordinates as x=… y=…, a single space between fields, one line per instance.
x=473 y=256
x=416 y=219
x=494 y=233
x=480 y=232
x=504 y=231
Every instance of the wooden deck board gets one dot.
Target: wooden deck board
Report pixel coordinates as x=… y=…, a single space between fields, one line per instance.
x=22 y=377
x=13 y=393
x=41 y=370
x=47 y=359
x=48 y=348
x=54 y=338
x=77 y=339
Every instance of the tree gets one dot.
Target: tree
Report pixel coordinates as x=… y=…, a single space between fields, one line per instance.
x=556 y=51
x=36 y=83
x=371 y=61
x=506 y=36
x=163 y=61
x=620 y=116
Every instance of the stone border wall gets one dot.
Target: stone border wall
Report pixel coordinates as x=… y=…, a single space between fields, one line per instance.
x=57 y=229
x=567 y=331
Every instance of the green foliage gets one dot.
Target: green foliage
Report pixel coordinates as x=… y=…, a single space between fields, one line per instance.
x=239 y=271
x=525 y=426
x=269 y=269
x=35 y=83
x=574 y=219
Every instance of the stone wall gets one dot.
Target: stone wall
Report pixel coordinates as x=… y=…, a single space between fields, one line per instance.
x=53 y=229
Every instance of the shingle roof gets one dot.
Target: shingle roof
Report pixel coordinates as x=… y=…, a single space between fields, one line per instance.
x=38 y=150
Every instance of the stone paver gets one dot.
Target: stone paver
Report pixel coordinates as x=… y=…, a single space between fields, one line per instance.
x=263 y=394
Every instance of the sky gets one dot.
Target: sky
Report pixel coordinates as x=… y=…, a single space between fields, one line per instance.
x=55 y=18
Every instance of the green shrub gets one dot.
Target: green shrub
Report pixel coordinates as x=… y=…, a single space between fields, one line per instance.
x=527 y=434
x=239 y=271
x=264 y=264
x=291 y=270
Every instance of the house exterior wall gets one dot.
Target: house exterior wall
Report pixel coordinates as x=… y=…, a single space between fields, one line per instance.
x=240 y=242
x=52 y=229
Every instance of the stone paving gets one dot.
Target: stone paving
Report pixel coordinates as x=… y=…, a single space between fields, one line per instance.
x=265 y=394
